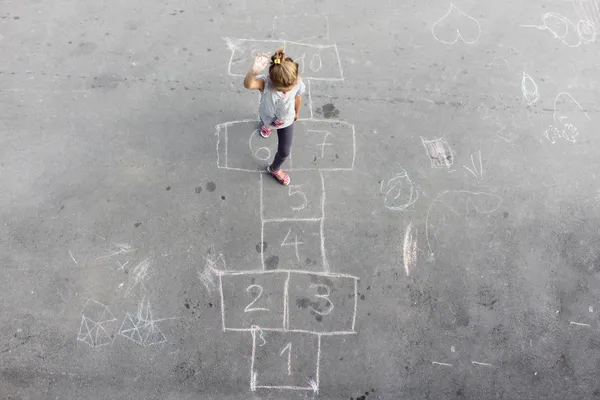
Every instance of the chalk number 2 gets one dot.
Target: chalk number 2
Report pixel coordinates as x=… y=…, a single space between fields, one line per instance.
x=249 y=307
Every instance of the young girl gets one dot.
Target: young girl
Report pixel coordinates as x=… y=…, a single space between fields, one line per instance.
x=280 y=102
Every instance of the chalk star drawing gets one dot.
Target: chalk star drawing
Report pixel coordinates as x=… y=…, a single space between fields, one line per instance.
x=97 y=324
x=141 y=328
x=462 y=19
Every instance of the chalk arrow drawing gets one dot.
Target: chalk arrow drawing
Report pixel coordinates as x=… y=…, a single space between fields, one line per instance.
x=455 y=25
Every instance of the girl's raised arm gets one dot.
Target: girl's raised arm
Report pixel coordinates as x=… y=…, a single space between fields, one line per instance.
x=250 y=81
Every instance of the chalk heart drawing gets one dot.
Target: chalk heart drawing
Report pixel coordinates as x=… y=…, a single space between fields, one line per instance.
x=399 y=192
x=455 y=25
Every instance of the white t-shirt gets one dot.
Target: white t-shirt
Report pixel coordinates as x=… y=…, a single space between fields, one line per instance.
x=278 y=105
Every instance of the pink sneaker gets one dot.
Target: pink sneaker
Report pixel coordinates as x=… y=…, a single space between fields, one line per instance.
x=265 y=132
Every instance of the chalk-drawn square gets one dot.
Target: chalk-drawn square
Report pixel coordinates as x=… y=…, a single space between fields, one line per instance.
x=284 y=360
x=253 y=299
x=318 y=62
x=293 y=245
x=241 y=147
x=302 y=199
x=322 y=303
x=439 y=152
x=301 y=28
x=324 y=145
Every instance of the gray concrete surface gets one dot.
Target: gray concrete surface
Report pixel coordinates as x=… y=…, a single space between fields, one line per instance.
x=461 y=193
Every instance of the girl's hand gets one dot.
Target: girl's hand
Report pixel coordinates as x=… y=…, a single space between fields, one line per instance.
x=260 y=62
x=297 y=116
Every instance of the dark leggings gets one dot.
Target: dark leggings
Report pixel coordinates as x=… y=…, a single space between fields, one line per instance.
x=284 y=146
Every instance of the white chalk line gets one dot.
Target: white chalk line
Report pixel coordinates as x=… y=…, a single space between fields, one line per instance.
x=223 y=306
x=442 y=364
x=316 y=386
x=285 y=271
x=481 y=363
x=286 y=315
x=579 y=324
x=262 y=225
x=292 y=220
x=310 y=107
x=409 y=250
x=266 y=329
x=322 y=224
x=355 y=305
x=73 y=258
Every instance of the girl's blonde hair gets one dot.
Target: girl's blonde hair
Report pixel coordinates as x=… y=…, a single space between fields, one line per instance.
x=283 y=71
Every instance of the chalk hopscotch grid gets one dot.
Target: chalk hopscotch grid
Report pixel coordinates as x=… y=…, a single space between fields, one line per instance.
x=286 y=301
x=312 y=385
x=233 y=46
x=221 y=130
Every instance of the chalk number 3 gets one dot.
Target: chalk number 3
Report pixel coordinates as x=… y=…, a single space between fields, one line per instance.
x=324 y=296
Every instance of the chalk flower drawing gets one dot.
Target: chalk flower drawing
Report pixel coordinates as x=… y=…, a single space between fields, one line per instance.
x=455 y=25
x=98 y=324
x=569 y=131
x=399 y=192
x=529 y=89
